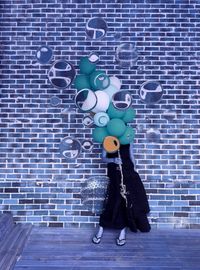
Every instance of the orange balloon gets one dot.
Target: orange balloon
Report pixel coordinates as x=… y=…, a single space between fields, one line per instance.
x=111 y=144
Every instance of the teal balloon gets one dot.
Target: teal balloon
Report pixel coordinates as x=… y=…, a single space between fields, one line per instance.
x=99 y=80
x=115 y=113
x=116 y=127
x=99 y=134
x=129 y=115
x=128 y=136
x=86 y=67
x=82 y=82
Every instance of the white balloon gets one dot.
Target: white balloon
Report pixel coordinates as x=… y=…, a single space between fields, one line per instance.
x=89 y=102
x=86 y=100
x=101 y=119
x=110 y=90
x=115 y=82
x=103 y=101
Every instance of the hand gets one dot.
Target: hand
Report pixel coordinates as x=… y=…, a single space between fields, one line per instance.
x=118 y=161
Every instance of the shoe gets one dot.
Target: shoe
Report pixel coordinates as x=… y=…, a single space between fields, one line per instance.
x=120 y=242
x=96 y=239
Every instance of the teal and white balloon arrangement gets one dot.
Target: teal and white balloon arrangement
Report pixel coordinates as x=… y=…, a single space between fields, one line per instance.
x=98 y=94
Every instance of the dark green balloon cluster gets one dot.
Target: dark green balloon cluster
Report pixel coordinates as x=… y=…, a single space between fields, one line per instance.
x=109 y=120
x=90 y=78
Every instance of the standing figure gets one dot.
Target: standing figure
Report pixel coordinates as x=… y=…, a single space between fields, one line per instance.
x=126 y=204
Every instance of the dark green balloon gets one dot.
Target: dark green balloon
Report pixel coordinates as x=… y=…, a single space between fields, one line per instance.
x=116 y=127
x=86 y=67
x=128 y=136
x=129 y=115
x=82 y=82
x=99 y=134
x=99 y=80
x=115 y=113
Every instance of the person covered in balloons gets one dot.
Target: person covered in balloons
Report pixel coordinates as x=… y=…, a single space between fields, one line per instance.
x=126 y=204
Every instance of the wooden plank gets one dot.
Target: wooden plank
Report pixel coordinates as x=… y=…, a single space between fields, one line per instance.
x=72 y=249
x=105 y=268
x=94 y=263
x=105 y=255
x=100 y=266
x=17 y=248
x=6 y=225
x=13 y=245
x=9 y=239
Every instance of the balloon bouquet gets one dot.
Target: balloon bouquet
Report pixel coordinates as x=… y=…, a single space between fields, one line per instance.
x=109 y=106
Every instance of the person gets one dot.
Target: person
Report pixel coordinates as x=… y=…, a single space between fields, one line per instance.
x=126 y=204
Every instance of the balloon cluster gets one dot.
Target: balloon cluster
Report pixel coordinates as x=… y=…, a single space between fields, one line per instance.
x=102 y=96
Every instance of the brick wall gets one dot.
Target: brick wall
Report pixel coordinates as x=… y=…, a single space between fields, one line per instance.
x=37 y=184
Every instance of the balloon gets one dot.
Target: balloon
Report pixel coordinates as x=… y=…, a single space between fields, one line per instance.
x=81 y=82
x=111 y=144
x=94 y=57
x=111 y=90
x=61 y=74
x=115 y=82
x=126 y=55
x=88 y=121
x=93 y=193
x=86 y=100
x=101 y=119
x=99 y=133
x=153 y=135
x=86 y=67
x=87 y=145
x=151 y=92
x=55 y=101
x=96 y=28
x=122 y=100
x=99 y=80
x=116 y=127
x=102 y=102
x=70 y=147
x=44 y=54
x=129 y=115
x=115 y=113
x=128 y=136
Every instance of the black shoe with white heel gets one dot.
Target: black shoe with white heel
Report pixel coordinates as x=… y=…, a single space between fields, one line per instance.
x=120 y=242
x=96 y=239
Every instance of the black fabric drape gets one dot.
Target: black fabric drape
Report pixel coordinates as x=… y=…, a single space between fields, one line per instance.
x=119 y=212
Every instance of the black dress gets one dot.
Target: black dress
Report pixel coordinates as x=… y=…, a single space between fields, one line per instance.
x=126 y=203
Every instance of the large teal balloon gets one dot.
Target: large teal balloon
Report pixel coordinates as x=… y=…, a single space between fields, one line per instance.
x=99 y=134
x=128 y=136
x=116 y=127
x=99 y=80
x=115 y=113
x=129 y=115
x=86 y=67
x=82 y=82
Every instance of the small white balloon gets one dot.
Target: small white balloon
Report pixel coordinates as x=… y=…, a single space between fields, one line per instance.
x=115 y=82
x=103 y=101
x=93 y=57
x=101 y=119
x=88 y=121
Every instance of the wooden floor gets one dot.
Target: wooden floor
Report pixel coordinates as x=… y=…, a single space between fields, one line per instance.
x=59 y=249
x=12 y=240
